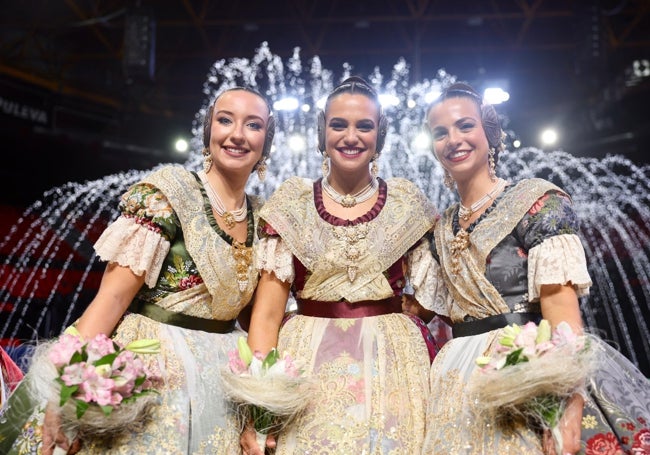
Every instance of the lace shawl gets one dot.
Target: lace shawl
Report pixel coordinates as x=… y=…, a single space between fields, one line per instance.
x=321 y=247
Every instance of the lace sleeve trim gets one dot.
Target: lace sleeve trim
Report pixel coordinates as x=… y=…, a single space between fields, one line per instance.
x=133 y=245
x=426 y=278
x=274 y=256
x=558 y=260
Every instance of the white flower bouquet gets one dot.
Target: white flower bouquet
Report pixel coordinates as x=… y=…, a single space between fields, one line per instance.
x=269 y=392
x=531 y=375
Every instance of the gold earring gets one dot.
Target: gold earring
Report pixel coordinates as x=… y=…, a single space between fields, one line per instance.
x=325 y=166
x=207 y=160
x=260 y=168
x=492 y=165
x=448 y=180
x=374 y=168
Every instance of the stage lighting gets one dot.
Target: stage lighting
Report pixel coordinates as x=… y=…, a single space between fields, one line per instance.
x=181 y=145
x=286 y=104
x=549 y=136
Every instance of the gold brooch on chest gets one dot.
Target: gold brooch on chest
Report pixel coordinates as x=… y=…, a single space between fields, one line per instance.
x=458 y=244
x=351 y=236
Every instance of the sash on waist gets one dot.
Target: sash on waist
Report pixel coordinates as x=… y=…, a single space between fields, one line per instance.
x=153 y=311
x=498 y=321
x=345 y=309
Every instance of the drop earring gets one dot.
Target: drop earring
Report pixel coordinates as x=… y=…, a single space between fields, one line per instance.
x=207 y=160
x=374 y=168
x=260 y=168
x=448 y=180
x=325 y=166
x=492 y=165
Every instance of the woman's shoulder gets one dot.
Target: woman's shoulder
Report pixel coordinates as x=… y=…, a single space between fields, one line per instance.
x=538 y=186
x=294 y=188
x=404 y=191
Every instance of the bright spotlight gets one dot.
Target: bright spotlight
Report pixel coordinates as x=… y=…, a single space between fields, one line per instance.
x=495 y=95
x=431 y=96
x=320 y=104
x=421 y=142
x=387 y=100
x=411 y=104
x=549 y=136
x=286 y=104
x=305 y=108
x=297 y=143
x=516 y=143
x=181 y=145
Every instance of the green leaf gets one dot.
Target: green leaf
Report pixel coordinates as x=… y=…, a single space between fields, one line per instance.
x=107 y=410
x=270 y=359
x=67 y=392
x=78 y=357
x=106 y=360
x=82 y=407
x=516 y=357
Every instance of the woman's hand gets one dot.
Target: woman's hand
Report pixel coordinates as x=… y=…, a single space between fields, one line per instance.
x=411 y=306
x=570 y=427
x=248 y=442
x=55 y=441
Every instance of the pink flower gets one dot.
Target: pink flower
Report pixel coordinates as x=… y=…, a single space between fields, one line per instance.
x=603 y=444
x=98 y=389
x=189 y=282
x=290 y=367
x=74 y=374
x=526 y=339
x=63 y=349
x=641 y=442
x=98 y=347
x=235 y=363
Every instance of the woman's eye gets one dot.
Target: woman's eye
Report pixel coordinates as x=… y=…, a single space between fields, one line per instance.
x=467 y=126
x=255 y=125
x=438 y=134
x=224 y=120
x=366 y=127
x=337 y=126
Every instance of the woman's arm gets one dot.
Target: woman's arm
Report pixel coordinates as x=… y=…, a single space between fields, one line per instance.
x=268 y=310
x=118 y=288
x=560 y=303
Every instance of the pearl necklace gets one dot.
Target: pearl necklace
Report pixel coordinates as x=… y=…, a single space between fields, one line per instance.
x=230 y=217
x=466 y=213
x=350 y=200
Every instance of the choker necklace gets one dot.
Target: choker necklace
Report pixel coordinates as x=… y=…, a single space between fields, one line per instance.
x=465 y=213
x=230 y=217
x=350 y=200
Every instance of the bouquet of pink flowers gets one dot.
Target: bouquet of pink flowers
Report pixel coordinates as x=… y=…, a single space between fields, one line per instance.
x=531 y=374
x=269 y=391
x=100 y=387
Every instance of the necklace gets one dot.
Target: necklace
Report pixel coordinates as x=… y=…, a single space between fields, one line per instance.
x=230 y=217
x=350 y=200
x=465 y=213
